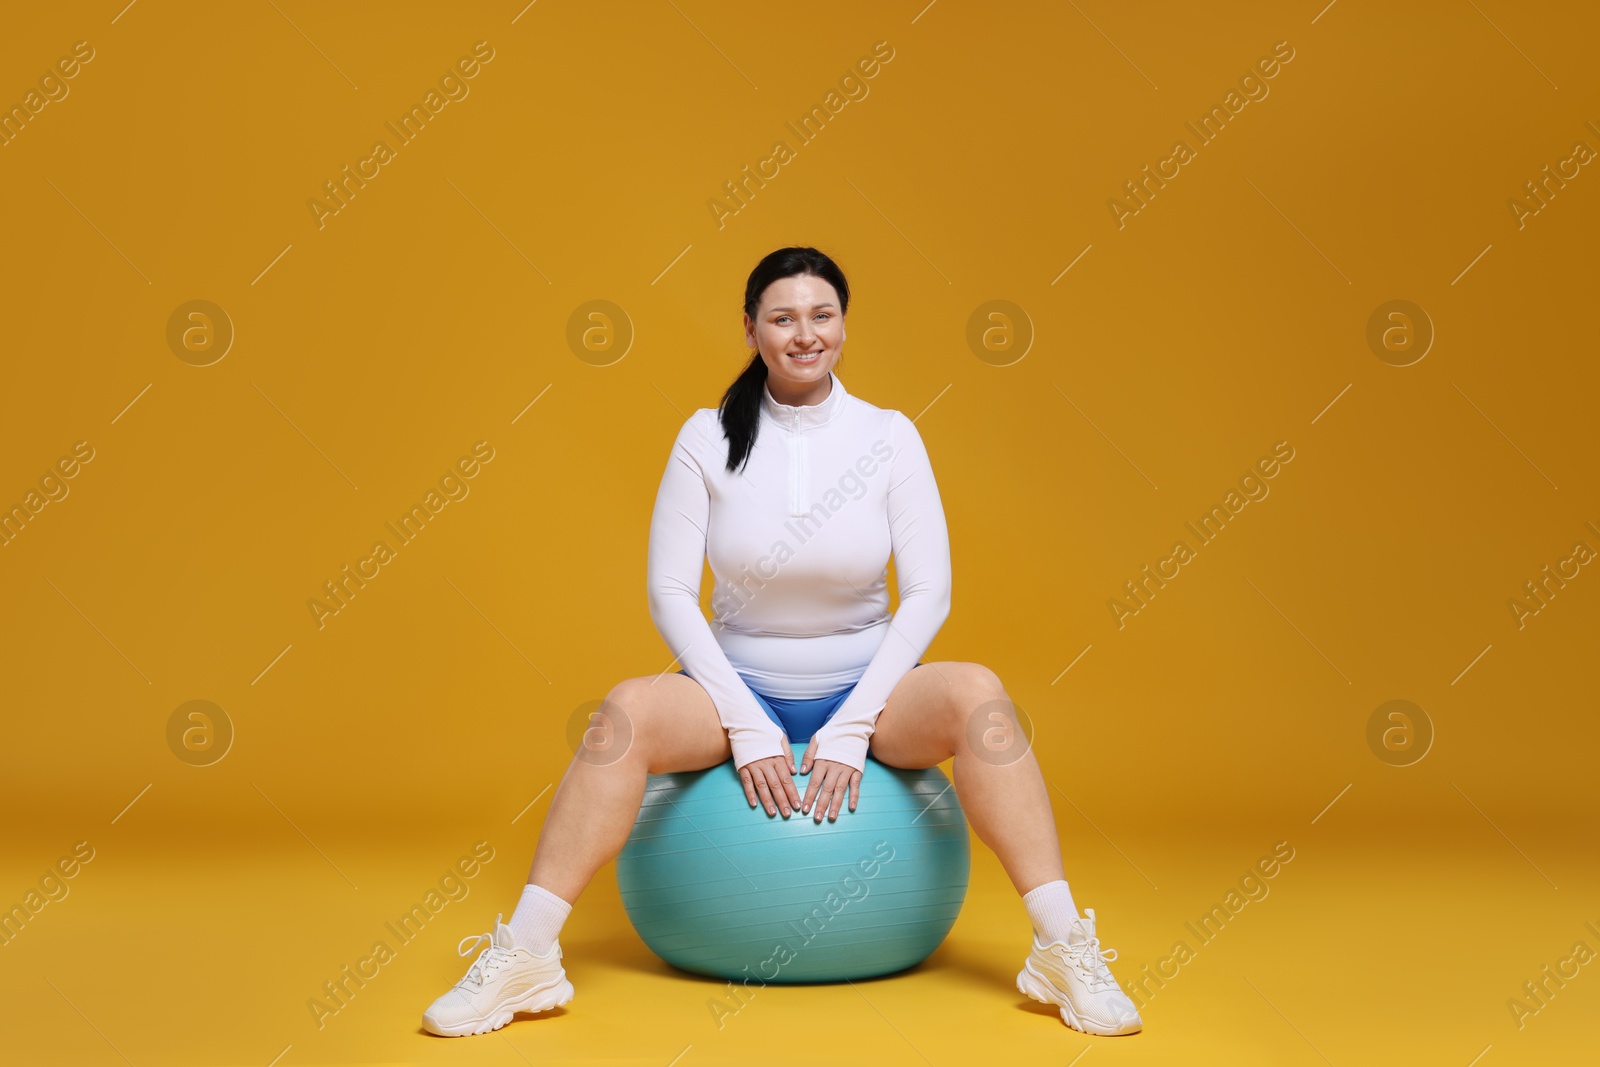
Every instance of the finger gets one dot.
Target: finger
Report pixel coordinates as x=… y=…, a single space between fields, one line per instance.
x=811 y=791
x=791 y=795
x=805 y=761
x=761 y=787
x=782 y=787
x=771 y=773
x=841 y=787
x=855 y=790
x=749 y=790
x=824 y=793
x=836 y=795
x=821 y=787
x=788 y=755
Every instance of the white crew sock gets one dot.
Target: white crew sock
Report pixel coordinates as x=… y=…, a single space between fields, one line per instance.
x=538 y=918
x=1051 y=910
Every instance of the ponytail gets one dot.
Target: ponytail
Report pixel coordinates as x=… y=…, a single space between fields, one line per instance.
x=740 y=410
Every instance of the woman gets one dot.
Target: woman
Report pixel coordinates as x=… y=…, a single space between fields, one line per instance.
x=797 y=492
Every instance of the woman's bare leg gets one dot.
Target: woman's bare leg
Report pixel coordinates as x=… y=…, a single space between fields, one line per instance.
x=656 y=724
x=961 y=709
x=958 y=709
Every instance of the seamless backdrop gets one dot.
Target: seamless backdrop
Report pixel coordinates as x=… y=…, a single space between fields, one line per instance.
x=1307 y=291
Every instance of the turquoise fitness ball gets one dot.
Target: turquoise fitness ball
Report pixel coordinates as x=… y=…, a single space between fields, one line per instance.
x=716 y=887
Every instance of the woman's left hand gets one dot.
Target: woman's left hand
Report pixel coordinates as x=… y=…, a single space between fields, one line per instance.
x=830 y=782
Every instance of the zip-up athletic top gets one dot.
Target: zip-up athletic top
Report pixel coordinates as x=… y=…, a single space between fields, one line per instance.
x=799 y=543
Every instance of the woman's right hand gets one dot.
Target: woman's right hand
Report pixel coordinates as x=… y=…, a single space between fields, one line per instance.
x=770 y=777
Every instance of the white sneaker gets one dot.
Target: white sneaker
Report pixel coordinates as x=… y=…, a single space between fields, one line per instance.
x=502 y=981
x=1073 y=974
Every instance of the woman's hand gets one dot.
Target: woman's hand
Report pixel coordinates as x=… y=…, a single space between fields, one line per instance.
x=831 y=780
x=770 y=778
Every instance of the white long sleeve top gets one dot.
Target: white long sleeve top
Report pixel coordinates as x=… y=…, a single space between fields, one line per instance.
x=799 y=542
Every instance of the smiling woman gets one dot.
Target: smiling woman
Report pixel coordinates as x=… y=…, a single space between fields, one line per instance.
x=817 y=660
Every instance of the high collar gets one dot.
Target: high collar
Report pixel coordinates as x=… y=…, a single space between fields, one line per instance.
x=805 y=416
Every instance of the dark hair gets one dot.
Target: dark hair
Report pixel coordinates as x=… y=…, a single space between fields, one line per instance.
x=740 y=410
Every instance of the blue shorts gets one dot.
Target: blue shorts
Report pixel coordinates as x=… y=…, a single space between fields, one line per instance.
x=800 y=718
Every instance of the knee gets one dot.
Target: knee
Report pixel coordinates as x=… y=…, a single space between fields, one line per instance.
x=976 y=698
x=973 y=684
x=630 y=694
x=617 y=727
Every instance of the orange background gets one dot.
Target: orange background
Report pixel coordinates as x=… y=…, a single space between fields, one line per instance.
x=374 y=350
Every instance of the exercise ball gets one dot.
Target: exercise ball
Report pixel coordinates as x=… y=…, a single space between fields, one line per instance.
x=716 y=887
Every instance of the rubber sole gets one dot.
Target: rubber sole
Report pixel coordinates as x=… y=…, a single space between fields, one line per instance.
x=1038 y=988
x=535 y=1000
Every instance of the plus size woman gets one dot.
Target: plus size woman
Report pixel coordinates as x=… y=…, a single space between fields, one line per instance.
x=798 y=493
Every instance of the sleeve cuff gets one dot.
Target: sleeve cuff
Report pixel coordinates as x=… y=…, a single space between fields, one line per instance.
x=750 y=745
x=849 y=749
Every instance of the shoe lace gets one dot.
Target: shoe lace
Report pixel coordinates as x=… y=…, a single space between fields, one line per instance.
x=1091 y=959
x=491 y=958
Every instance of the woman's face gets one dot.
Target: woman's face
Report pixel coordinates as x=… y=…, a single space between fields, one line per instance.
x=798 y=316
